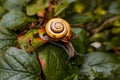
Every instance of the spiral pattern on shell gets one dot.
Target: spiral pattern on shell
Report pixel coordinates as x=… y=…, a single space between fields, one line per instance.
x=58 y=29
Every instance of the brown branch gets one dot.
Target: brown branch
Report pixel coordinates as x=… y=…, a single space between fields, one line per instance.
x=101 y=27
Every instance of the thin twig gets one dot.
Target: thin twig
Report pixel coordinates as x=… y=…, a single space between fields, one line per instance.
x=101 y=27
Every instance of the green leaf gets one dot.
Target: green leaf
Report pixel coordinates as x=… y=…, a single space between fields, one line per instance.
x=78 y=18
x=90 y=5
x=99 y=64
x=7 y=39
x=55 y=64
x=16 y=64
x=114 y=8
x=63 y=4
x=81 y=42
x=14 y=4
x=29 y=42
x=72 y=77
x=35 y=6
x=2 y=11
x=14 y=19
x=113 y=43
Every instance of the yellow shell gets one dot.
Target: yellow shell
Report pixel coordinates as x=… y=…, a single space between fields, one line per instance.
x=58 y=29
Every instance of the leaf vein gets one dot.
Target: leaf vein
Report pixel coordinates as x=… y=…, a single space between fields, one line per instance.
x=18 y=61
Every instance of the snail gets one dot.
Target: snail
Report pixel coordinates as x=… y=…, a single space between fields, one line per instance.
x=58 y=29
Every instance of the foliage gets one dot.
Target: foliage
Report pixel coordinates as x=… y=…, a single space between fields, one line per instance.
x=17 y=64
x=96 y=35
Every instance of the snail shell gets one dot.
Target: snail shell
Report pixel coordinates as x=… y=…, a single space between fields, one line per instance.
x=58 y=29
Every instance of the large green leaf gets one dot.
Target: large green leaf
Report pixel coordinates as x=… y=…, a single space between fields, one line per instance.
x=7 y=38
x=81 y=40
x=74 y=19
x=61 y=6
x=14 y=19
x=55 y=63
x=99 y=64
x=35 y=6
x=16 y=64
x=14 y=4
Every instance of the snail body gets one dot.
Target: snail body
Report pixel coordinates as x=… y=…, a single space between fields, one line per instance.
x=58 y=29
